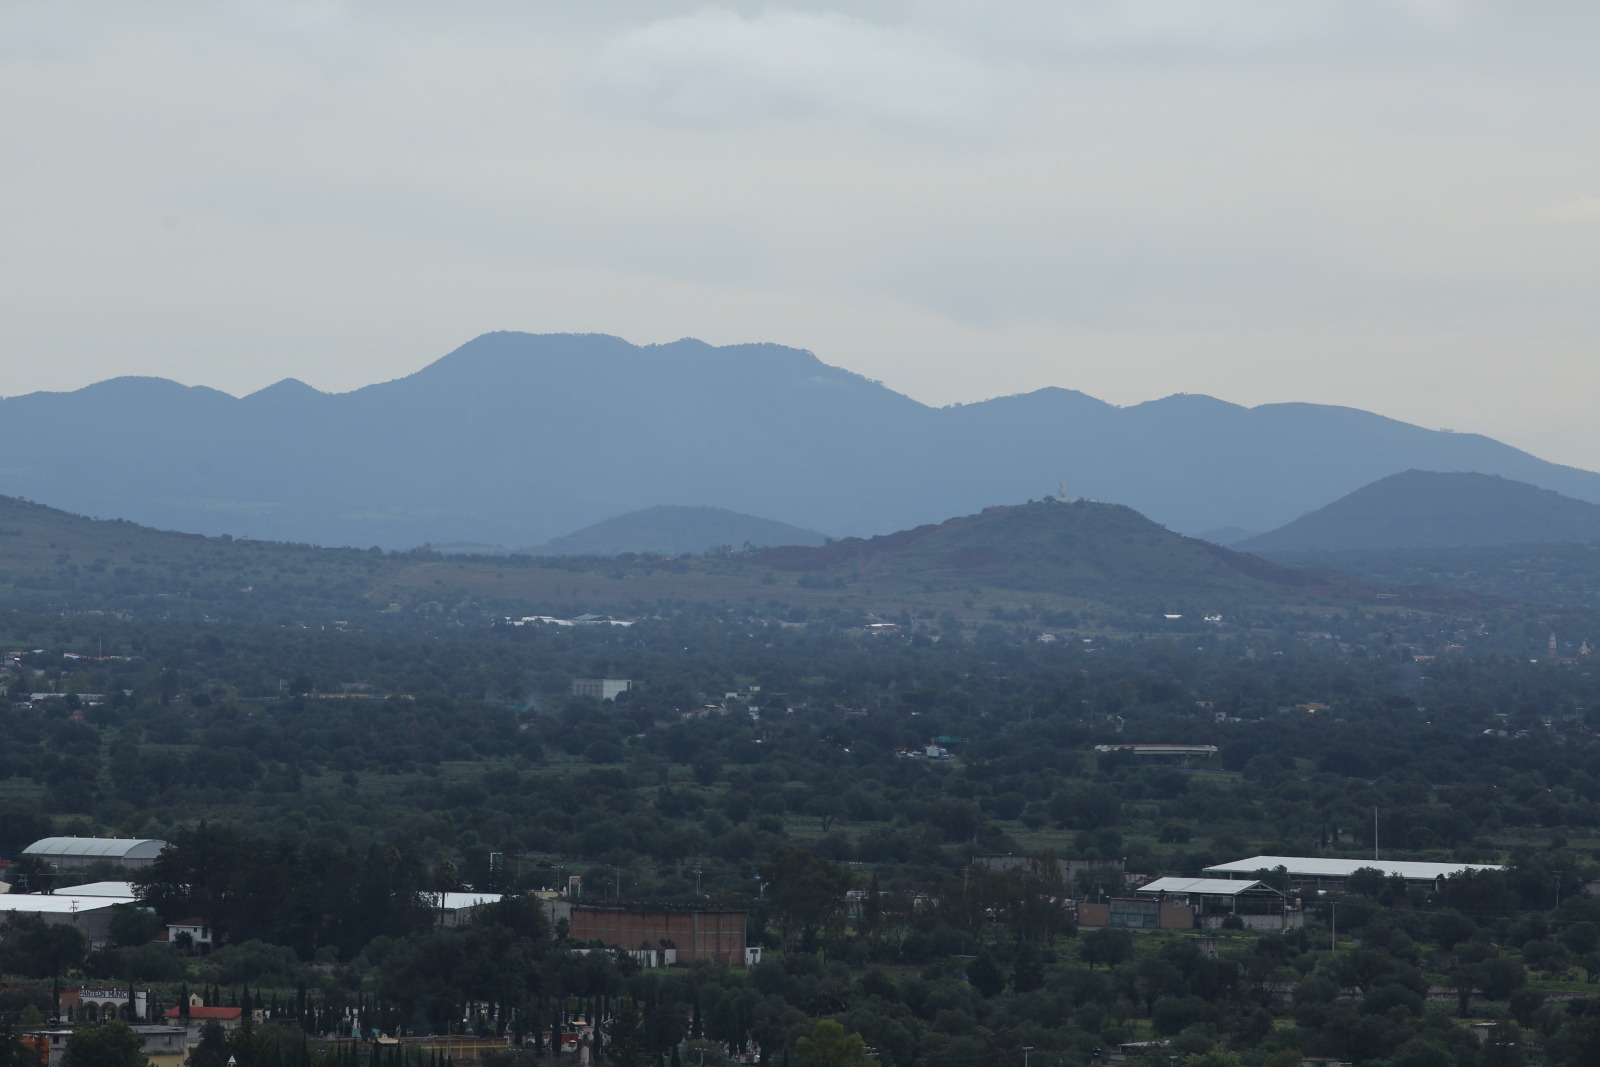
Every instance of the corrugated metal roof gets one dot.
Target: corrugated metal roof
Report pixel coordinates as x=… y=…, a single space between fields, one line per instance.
x=1323 y=867
x=97 y=847
x=57 y=905
x=1222 y=887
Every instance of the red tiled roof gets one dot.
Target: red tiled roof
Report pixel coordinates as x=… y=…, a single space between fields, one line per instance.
x=204 y=1013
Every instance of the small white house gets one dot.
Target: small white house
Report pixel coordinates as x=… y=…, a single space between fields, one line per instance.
x=193 y=936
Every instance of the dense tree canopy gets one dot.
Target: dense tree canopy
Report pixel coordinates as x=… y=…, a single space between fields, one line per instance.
x=317 y=786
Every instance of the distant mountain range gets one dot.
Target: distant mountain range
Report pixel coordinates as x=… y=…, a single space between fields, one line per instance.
x=515 y=438
x=1423 y=509
x=1028 y=562
x=673 y=530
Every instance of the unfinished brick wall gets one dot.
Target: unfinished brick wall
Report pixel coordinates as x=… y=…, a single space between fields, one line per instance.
x=717 y=936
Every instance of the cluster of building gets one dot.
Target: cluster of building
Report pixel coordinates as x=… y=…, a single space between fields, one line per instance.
x=90 y=907
x=166 y=1034
x=581 y=620
x=1230 y=891
x=1553 y=655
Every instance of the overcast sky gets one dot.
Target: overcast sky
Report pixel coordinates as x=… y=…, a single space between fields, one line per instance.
x=1392 y=204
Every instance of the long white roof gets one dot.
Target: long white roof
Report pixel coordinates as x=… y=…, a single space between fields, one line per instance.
x=1222 y=887
x=1325 y=867
x=455 y=901
x=97 y=847
x=58 y=904
x=98 y=889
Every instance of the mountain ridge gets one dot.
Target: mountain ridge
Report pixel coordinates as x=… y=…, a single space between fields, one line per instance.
x=1037 y=561
x=517 y=438
x=1436 y=509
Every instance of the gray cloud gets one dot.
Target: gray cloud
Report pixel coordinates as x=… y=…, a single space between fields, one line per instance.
x=38 y=29
x=719 y=66
x=1377 y=203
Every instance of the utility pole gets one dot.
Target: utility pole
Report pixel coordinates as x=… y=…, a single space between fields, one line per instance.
x=1374 y=833
x=1333 y=928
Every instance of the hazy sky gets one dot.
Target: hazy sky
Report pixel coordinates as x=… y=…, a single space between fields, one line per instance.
x=1393 y=204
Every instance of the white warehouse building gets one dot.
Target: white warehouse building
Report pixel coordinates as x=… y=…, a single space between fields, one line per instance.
x=69 y=853
x=1320 y=872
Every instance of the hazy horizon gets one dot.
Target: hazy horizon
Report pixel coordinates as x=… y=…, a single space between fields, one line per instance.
x=1377 y=204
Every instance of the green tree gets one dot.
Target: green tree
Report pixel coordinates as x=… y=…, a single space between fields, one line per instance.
x=252 y=1047
x=985 y=975
x=1421 y=1052
x=1027 y=971
x=805 y=891
x=30 y=874
x=112 y=1044
x=1581 y=938
x=212 y=1048
x=830 y=1046
x=1215 y=1057
x=1367 y=881
x=1464 y=979
x=624 y=1041
x=1503 y=976
x=132 y=925
x=13 y=1053
x=1107 y=945
x=39 y=949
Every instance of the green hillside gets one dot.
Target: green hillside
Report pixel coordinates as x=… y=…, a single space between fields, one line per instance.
x=53 y=561
x=1033 y=561
x=1567 y=575
x=1103 y=553
x=1416 y=509
x=673 y=530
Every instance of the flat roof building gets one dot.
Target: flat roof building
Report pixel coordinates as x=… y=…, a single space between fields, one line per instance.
x=1320 y=872
x=97 y=889
x=601 y=688
x=1136 y=913
x=1256 y=905
x=458 y=909
x=1182 y=753
x=90 y=915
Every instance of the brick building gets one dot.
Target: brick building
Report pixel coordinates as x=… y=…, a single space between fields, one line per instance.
x=698 y=933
